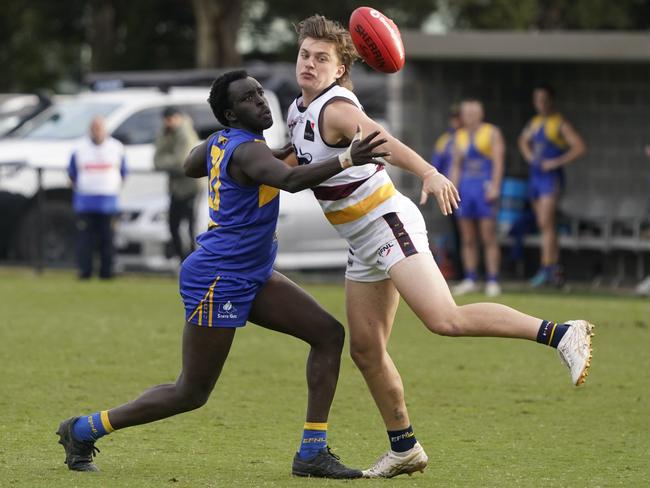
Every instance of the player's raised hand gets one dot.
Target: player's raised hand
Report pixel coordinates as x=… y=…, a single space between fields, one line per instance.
x=361 y=150
x=283 y=152
x=434 y=183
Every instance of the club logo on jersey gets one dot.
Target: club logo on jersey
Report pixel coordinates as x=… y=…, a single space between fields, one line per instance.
x=385 y=250
x=293 y=123
x=309 y=131
x=227 y=311
x=303 y=157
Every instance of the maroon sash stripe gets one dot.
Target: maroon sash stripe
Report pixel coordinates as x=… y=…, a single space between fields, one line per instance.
x=403 y=239
x=331 y=193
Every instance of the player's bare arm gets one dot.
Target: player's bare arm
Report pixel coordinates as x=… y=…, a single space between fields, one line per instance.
x=284 y=152
x=254 y=163
x=340 y=120
x=195 y=165
x=577 y=148
x=498 y=165
x=524 y=144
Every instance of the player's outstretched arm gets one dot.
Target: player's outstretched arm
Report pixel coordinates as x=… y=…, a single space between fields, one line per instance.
x=340 y=121
x=524 y=144
x=195 y=164
x=254 y=163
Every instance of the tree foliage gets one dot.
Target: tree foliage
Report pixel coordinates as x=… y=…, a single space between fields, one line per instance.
x=43 y=42
x=550 y=14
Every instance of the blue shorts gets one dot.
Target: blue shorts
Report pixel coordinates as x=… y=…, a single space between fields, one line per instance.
x=473 y=204
x=544 y=184
x=212 y=298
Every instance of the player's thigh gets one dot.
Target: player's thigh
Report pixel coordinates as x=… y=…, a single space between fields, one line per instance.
x=370 y=308
x=283 y=306
x=421 y=284
x=547 y=205
x=488 y=229
x=467 y=229
x=205 y=350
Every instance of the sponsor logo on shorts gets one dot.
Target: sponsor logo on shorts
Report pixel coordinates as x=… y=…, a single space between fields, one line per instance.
x=227 y=311
x=385 y=250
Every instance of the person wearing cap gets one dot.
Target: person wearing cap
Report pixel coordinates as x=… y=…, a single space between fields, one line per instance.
x=174 y=142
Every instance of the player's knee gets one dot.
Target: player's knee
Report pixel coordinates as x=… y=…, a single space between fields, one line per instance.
x=336 y=334
x=545 y=222
x=193 y=397
x=446 y=324
x=364 y=356
x=469 y=241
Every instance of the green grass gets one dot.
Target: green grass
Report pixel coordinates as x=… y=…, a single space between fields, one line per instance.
x=489 y=412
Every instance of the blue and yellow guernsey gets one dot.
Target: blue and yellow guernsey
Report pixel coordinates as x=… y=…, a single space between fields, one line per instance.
x=547 y=140
x=476 y=149
x=241 y=231
x=443 y=152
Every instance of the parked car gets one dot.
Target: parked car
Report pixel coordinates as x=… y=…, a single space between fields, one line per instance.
x=18 y=108
x=44 y=144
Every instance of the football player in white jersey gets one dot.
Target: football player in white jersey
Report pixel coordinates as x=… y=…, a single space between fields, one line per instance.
x=389 y=252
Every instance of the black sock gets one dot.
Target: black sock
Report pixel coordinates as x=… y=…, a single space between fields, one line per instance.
x=401 y=440
x=551 y=333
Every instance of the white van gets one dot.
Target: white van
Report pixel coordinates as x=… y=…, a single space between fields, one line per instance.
x=31 y=232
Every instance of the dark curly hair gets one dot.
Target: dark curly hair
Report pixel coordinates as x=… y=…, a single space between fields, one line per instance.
x=218 y=99
x=547 y=88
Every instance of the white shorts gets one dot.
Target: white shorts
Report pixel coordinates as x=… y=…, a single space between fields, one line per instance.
x=386 y=241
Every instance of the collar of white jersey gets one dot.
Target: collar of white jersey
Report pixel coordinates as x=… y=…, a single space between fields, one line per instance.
x=301 y=108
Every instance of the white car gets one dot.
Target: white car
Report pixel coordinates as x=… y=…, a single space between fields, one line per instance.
x=45 y=232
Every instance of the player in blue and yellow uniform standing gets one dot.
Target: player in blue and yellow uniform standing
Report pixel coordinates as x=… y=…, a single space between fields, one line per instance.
x=477 y=170
x=229 y=280
x=446 y=243
x=443 y=151
x=548 y=143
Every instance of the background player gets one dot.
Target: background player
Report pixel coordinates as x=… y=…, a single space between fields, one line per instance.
x=548 y=143
x=230 y=280
x=443 y=150
x=447 y=239
x=389 y=251
x=477 y=170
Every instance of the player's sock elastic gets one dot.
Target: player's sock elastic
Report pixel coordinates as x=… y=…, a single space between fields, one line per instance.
x=401 y=440
x=471 y=275
x=92 y=427
x=314 y=438
x=551 y=333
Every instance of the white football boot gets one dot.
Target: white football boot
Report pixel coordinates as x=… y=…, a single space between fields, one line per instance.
x=395 y=463
x=464 y=287
x=575 y=349
x=492 y=289
x=643 y=288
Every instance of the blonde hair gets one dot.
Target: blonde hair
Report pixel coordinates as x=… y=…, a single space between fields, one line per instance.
x=324 y=29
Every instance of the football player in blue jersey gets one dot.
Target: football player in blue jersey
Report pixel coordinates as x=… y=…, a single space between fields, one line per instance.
x=548 y=143
x=229 y=280
x=477 y=170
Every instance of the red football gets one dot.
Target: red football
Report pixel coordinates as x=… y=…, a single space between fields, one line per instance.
x=377 y=40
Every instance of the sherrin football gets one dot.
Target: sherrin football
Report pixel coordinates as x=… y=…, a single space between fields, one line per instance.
x=377 y=40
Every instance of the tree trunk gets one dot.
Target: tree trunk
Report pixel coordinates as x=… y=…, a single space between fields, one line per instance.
x=102 y=34
x=217 y=26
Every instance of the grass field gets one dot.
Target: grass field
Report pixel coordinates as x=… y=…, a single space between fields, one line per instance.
x=489 y=412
